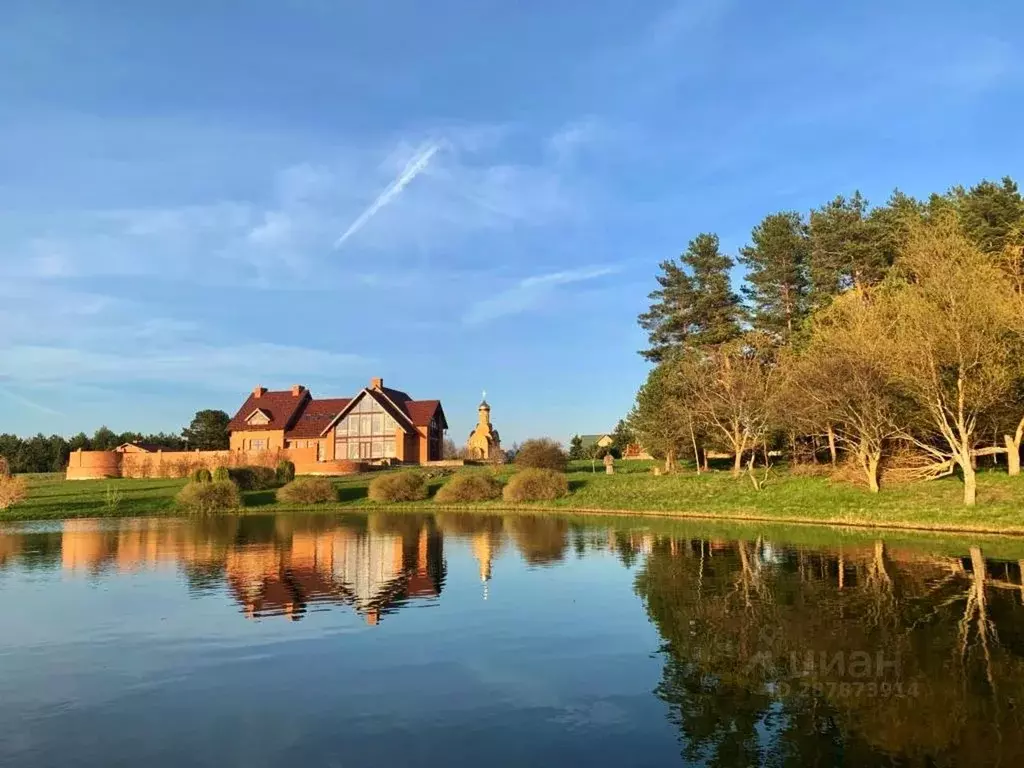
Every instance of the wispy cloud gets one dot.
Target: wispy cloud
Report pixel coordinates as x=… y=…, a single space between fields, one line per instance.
x=416 y=165
x=530 y=292
x=22 y=400
x=193 y=364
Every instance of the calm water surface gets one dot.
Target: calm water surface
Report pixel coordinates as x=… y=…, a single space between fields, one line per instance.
x=410 y=639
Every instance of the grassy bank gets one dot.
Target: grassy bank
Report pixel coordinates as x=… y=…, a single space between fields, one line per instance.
x=634 y=489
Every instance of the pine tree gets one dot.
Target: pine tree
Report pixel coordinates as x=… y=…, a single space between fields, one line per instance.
x=695 y=305
x=667 y=322
x=716 y=308
x=622 y=437
x=777 y=274
x=991 y=213
x=576 y=448
x=846 y=249
x=890 y=223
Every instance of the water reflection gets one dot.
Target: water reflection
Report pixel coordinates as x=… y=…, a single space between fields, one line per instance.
x=771 y=653
x=854 y=656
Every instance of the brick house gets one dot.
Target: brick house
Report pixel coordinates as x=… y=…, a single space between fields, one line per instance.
x=376 y=424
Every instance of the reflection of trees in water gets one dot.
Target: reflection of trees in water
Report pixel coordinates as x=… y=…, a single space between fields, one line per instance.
x=541 y=540
x=748 y=631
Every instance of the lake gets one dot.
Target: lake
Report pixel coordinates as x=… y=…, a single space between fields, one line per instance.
x=457 y=639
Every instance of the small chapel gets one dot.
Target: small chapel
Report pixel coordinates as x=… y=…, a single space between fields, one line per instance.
x=484 y=443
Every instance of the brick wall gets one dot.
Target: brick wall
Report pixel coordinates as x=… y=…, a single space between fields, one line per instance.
x=88 y=465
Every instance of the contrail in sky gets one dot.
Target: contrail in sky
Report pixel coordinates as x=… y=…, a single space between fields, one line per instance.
x=413 y=168
x=30 y=403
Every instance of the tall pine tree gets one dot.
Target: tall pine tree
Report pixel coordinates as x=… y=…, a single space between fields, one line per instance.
x=992 y=214
x=695 y=305
x=777 y=278
x=847 y=250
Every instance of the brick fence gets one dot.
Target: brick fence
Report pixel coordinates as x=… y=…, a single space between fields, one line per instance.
x=90 y=465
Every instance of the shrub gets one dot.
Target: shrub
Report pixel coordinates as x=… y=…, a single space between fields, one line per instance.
x=221 y=474
x=536 y=485
x=399 y=486
x=182 y=467
x=12 y=490
x=209 y=498
x=307 y=490
x=542 y=453
x=112 y=498
x=285 y=471
x=253 y=478
x=469 y=486
x=201 y=475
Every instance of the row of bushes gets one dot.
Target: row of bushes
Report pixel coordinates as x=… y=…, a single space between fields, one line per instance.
x=249 y=478
x=219 y=491
x=468 y=487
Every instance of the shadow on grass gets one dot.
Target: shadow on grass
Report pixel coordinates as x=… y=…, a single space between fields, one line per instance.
x=352 y=492
x=575 y=485
x=260 y=498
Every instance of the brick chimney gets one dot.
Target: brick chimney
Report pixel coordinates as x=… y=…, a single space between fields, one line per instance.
x=297 y=390
x=376 y=382
x=258 y=392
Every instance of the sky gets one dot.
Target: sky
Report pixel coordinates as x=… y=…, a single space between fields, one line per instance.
x=200 y=197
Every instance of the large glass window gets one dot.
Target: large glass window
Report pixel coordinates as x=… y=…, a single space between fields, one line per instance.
x=366 y=432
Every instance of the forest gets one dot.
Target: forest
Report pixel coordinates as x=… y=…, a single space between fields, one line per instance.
x=884 y=342
x=207 y=431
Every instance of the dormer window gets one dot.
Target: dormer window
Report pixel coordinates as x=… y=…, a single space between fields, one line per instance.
x=258 y=418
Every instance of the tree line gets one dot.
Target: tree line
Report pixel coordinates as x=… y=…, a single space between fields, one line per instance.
x=208 y=430
x=892 y=336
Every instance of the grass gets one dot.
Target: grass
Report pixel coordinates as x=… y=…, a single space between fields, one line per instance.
x=787 y=499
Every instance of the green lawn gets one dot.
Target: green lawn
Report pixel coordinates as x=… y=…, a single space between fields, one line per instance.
x=633 y=489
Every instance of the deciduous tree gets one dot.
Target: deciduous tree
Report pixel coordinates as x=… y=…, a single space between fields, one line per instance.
x=953 y=319
x=734 y=388
x=843 y=377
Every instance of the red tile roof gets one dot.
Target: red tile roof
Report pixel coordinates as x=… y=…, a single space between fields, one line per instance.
x=282 y=408
x=315 y=417
x=302 y=417
x=422 y=411
x=419 y=411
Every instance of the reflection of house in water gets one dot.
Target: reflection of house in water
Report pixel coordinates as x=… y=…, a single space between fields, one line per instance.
x=84 y=547
x=374 y=572
x=486 y=535
x=133 y=545
x=485 y=547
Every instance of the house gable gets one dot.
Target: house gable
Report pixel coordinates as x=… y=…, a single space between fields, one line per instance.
x=258 y=418
x=281 y=409
x=385 y=402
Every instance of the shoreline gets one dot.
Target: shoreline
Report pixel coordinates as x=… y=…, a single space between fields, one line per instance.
x=862 y=526
x=711 y=498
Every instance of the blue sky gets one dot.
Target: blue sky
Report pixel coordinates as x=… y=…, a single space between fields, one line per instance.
x=196 y=198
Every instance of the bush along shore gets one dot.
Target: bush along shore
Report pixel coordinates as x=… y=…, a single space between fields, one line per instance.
x=786 y=496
